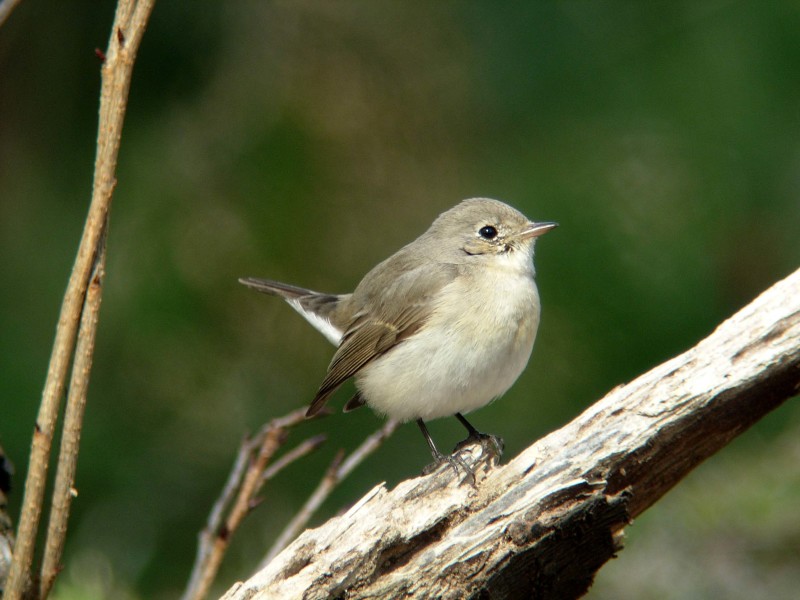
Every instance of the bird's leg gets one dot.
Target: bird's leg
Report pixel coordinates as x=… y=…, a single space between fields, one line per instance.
x=491 y=445
x=454 y=460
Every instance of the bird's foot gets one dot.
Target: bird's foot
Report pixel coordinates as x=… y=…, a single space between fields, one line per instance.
x=456 y=461
x=491 y=449
x=464 y=456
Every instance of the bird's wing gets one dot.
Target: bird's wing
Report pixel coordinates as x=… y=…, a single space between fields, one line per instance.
x=384 y=321
x=357 y=401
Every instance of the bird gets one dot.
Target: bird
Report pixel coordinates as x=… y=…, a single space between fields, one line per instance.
x=440 y=328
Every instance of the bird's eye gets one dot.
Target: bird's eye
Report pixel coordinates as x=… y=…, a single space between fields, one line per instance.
x=487 y=232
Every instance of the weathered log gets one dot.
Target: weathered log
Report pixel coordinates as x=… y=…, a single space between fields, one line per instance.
x=542 y=525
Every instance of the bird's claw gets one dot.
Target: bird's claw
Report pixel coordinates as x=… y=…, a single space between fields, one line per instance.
x=491 y=448
x=463 y=456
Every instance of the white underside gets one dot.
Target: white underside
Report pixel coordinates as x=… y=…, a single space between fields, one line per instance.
x=471 y=350
x=321 y=324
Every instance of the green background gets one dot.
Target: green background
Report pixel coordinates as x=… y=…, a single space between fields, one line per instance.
x=306 y=141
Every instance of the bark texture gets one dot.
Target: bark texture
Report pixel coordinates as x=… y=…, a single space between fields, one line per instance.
x=542 y=525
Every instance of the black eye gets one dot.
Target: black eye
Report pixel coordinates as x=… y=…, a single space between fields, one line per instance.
x=487 y=232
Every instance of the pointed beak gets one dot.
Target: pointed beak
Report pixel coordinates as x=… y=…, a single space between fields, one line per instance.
x=534 y=230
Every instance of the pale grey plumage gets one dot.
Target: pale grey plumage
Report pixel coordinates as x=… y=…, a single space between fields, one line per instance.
x=441 y=327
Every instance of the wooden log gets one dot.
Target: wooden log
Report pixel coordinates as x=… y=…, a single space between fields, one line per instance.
x=542 y=525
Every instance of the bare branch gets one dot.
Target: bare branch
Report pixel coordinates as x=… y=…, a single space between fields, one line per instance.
x=217 y=515
x=131 y=18
x=338 y=470
x=239 y=496
x=63 y=491
x=543 y=524
x=303 y=449
x=200 y=580
x=367 y=447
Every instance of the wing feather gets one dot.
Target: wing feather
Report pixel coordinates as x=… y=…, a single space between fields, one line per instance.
x=376 y=329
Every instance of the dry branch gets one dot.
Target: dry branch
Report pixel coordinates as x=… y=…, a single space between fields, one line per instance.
x=129 y=24
x=239 y=496
x=252 y=468
x=542 y=525
x=63 y=489
x=339 y=469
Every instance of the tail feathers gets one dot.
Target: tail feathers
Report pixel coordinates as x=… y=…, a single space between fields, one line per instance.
x=276 y=288
x=319 y=401
x=315 y=307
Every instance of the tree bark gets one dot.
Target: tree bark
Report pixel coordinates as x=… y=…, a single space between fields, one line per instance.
x=542 y=525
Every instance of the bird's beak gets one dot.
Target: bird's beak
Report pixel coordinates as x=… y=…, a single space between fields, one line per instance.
x=534 y=230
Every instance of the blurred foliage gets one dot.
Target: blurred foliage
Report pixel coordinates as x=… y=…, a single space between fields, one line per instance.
x=306 y=141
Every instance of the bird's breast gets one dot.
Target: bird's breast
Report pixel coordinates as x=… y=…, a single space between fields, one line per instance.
x=472 y=348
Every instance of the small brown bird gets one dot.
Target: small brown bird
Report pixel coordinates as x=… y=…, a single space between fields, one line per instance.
x=442 y=327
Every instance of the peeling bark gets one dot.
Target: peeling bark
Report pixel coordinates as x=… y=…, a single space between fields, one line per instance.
x=542 y=525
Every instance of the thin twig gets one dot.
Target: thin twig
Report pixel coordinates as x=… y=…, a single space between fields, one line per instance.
x=215 y=518
x=129 y=24
x=367 y=447
x=239 y=493
x=73 y=419
x=542 y=524
x=6 y=6
x=338 y=470
x=217 y=515
x=303 y=449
